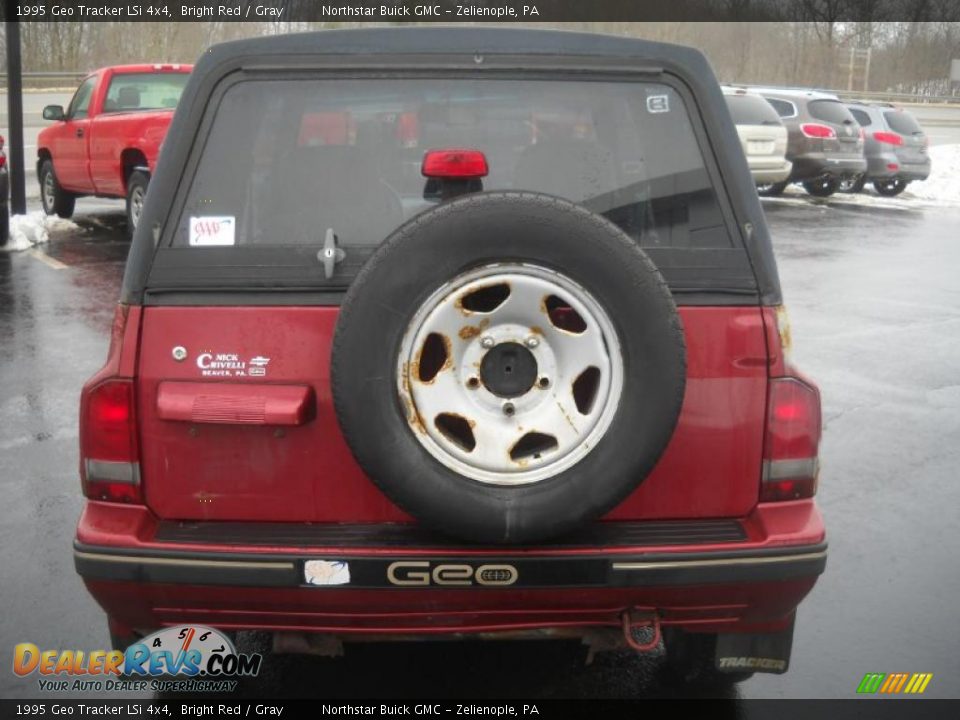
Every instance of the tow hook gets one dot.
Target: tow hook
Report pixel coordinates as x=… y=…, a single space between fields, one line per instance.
x=637 y=619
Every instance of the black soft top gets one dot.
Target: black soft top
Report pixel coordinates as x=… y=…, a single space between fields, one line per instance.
x=478 y=49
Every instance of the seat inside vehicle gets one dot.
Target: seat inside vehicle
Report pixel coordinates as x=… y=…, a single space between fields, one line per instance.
x=128 y=98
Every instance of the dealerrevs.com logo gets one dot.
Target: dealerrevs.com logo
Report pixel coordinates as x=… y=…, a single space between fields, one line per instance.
x=187 y=658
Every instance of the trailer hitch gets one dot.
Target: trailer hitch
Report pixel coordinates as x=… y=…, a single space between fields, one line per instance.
x=637 y=619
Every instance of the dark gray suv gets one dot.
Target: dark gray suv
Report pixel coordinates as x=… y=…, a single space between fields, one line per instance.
x=824 y=141
x=895 y=148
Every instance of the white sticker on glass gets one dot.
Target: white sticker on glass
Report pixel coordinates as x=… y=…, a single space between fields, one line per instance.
x=212 y=230
x=658 y=104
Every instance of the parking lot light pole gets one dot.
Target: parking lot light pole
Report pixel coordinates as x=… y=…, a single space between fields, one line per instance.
x=18 y=196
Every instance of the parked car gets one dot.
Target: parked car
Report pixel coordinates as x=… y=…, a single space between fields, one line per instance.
x=454 y=350
x=825 y=144
x=763 y=136
x=896 y=149
x=107 y=141
x=4 y=196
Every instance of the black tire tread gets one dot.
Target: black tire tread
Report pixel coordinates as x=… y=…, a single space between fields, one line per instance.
x=63 y=201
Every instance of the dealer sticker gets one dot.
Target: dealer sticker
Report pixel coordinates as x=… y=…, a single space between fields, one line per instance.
x=326 y=572
x=212 y=230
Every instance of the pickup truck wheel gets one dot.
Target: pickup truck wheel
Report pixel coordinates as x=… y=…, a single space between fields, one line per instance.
x=528 y=373
x=55 y=200
x=690 y=658
x=136 y=193
x=823 y=186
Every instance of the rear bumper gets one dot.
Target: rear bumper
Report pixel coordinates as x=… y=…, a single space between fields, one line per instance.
x=766 y=171
x=889 y=165
x=751 y=583
x=812 y=165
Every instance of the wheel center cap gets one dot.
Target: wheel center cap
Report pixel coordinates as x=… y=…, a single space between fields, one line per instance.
x=508 y=370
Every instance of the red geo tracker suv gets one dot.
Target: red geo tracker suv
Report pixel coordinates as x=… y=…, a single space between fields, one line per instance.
x=454 y=331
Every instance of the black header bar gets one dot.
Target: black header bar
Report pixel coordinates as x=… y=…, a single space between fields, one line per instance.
x=336 y=12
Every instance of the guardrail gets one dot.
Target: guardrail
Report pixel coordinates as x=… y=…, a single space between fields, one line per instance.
x=45 y=80
x=41 y=80
x=871 y=96
x=901 y=98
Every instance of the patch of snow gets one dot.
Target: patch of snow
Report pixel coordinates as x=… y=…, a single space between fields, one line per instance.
x=943 y=185
x=941 y=189
x=33 y=229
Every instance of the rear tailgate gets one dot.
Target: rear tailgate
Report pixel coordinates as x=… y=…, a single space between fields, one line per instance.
x=764 y=145
x=847 y=140
x=228 y=458
x=329 y=154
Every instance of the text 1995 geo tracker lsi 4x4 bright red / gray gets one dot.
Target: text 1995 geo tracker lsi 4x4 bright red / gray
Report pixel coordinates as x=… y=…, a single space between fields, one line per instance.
x=456 y=331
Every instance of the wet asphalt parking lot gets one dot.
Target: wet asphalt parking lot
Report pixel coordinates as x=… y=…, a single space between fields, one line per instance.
x=874 y=299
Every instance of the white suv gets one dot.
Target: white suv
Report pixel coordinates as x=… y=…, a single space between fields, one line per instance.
x=762 y=135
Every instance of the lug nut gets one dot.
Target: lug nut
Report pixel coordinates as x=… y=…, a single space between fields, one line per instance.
x=531 y=342
x=544 y=383
x=487 y=342
x=509 y=409
x=473 y=382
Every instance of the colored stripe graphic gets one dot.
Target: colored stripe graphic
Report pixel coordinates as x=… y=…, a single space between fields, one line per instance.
x=870 y=683
x=894 y=683
x=889 y=683
x=918 y=683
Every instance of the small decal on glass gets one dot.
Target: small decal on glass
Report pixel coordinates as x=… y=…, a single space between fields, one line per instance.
x=212 y=230
x=658 y=104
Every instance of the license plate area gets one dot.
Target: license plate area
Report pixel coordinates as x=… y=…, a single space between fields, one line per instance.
x=760 y=147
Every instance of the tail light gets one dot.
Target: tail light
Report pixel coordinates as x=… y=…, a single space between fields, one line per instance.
x=818 y=131
x=109 y=452
x=791 y=446
x=888 y=138
x=454 y=163
x=3 y=157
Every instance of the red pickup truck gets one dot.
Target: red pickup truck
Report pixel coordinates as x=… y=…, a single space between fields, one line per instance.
x=107 y=141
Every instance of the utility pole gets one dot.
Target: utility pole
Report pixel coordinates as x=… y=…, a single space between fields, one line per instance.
x=866 y=70
x=859 y=64
x=853 y=54
x=18 y=195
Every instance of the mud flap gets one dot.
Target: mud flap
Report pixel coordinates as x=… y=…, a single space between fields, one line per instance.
x=765 y=652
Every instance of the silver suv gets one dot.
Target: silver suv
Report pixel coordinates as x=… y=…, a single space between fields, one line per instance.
x=895 y=147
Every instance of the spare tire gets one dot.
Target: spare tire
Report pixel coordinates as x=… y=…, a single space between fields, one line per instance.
x=508 y=366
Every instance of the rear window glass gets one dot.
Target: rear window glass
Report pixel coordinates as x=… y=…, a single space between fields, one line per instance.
x=861 y=117
x=287 y=160
x=831 y=111
x=144 y=91
x=902 y=122
x=784 y=108
x=751 y=110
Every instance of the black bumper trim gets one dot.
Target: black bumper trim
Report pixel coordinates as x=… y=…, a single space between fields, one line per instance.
x=396 y=535
x=598 y=570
